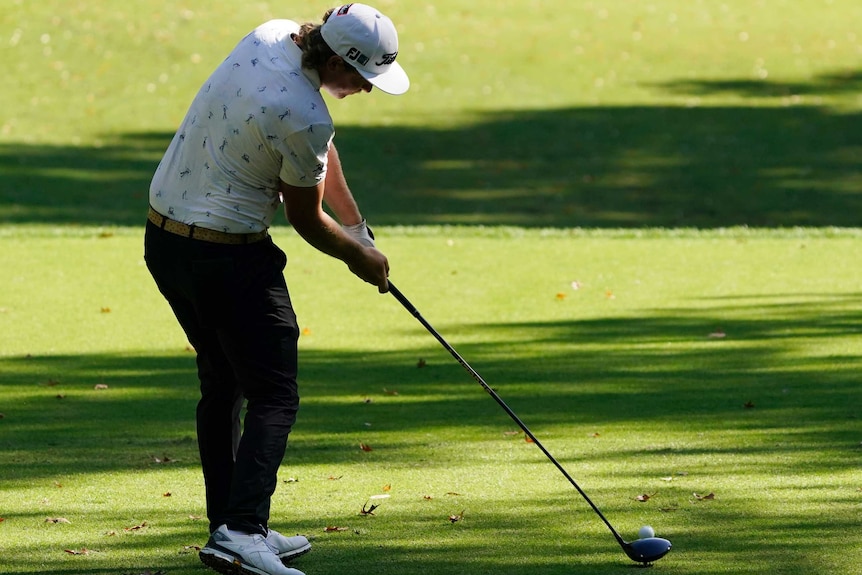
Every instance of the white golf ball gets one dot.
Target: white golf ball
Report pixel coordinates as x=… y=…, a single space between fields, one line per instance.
x=646 y=531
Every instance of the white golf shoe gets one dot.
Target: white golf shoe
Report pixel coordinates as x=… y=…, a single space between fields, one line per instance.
x=233 y=553
x=287 y=548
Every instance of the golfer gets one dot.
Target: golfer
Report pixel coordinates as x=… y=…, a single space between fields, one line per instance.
x=258 y=134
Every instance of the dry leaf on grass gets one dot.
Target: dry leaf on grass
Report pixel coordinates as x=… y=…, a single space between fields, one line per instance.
x=163 y=459
x=331 y=528
x=81 y=551
x=56 y=520
x=457 y=518
x=709 y=497
x=142 y=525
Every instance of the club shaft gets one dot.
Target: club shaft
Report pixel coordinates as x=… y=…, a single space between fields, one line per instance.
x=415 y=313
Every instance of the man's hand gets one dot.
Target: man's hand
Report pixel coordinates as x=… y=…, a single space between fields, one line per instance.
x=360 y=233
x=371 y=266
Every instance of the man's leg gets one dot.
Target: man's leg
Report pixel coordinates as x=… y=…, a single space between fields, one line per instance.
x=258 y=335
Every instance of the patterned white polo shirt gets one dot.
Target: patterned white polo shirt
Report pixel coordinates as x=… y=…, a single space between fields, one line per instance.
x=259 y=118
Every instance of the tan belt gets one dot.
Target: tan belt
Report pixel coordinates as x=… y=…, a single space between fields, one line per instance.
x=203 y=234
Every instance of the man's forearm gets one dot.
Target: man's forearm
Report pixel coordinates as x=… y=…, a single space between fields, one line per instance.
x=326 y=235
x=337 y=194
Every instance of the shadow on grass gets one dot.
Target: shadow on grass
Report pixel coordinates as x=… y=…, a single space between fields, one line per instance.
x=660 y=369
x=664 y=166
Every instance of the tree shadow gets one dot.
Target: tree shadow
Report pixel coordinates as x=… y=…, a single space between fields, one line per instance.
x=601 y=370
x=835 y=83
x=627 y=166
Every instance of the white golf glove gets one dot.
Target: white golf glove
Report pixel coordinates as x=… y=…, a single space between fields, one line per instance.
x=361 y=233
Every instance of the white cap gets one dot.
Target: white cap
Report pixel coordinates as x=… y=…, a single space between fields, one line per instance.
x=367 y=40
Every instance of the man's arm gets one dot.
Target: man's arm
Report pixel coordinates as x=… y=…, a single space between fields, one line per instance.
x=304 y=210
x=336 y=193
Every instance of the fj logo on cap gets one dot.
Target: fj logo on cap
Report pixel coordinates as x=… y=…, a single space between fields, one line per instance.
x=355 y=55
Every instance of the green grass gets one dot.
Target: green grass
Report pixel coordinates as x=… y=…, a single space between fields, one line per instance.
x=620 y=379
x=691 y=167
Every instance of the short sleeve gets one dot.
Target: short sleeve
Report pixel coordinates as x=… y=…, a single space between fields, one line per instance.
x=304 y=155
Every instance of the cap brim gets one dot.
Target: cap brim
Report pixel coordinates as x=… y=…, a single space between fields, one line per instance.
x=394 y=81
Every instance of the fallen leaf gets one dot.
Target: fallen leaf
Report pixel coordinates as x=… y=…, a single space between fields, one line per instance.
x=510 y=433
x=368 y=509
x=2 y=519
x=387 y=487
x=576 y=285
x=427 y=497
x=610 y=295
x=367 y=400
x=390 y=391
x=456 y=518
x=291 y=480
x=669 y=508
x=60 y=396
x=561 y=296
x=136 y=527
x=331 y=528
x=453 y=493
x=110 y=533
x=528 y=439
x=718 y=334
x=365 y=447
x=82 y=551
x=333 y=478
x=306 y=331
x=166 y=494
x=421 y=363
x=195 y=517
x=748 y=405
x=106 y=310
x=708 y=497
x=595 y=434
x=100 y=386
x=56 y=520
x=644 y=497
x=163 y=459
x=669 y=478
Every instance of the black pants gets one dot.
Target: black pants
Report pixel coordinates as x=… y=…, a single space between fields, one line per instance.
x=233 y=303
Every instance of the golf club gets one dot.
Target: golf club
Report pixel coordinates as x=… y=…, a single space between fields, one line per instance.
x=644 y=550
